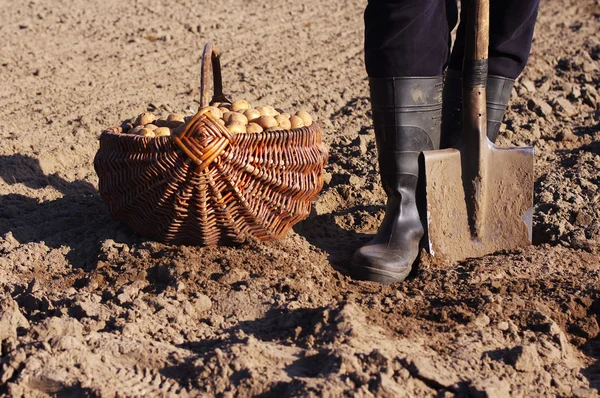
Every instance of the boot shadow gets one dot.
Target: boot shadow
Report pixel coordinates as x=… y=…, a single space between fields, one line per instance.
x=339 y=243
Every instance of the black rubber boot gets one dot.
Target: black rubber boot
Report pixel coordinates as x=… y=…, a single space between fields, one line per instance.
x=407 y=119
x=498 y=94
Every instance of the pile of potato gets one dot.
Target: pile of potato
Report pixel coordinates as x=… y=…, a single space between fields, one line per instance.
x=148 y=125
x=238 y=117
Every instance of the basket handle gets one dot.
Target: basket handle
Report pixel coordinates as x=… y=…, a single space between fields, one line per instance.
x=211 y=64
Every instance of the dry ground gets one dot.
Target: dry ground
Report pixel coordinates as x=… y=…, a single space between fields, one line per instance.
x=87 y=308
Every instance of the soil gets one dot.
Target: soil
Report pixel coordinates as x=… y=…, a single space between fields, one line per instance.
x=87 y=308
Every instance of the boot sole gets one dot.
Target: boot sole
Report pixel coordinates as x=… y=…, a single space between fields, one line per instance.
x=364 y=273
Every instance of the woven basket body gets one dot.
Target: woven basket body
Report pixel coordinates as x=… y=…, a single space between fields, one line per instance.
x=207 y=186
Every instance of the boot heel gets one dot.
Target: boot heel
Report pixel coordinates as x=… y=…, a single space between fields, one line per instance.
x=365 y=273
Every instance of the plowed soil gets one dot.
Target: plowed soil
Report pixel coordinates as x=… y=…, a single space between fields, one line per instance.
x=87 y=308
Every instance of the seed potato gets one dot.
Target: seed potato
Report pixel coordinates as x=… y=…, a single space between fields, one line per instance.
x=236 y=128
x=145 y=118
x=178 y=130
x=162 y=132
x=267 y=111
x=161 y=121
x=238 y=118
x=306 y=118
x=266 y=122
x=252 y=114
x=253 y=128
x=214 y=111
x=239 y=105
x=283 y=122
x=146 y=133
x=227 y=116
x=296 y=122
x=136 y=129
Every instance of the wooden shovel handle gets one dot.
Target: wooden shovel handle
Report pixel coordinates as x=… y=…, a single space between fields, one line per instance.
x=475 y=71
x=211 y=65
x=476 y=146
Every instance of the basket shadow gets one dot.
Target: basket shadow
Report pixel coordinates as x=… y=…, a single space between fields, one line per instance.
x=78 y=220
x=323 y=232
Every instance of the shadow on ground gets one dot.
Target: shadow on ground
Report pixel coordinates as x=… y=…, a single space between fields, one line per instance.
x=78 y=220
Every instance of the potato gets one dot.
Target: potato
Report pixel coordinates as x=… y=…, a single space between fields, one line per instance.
x=178 y=130
x=174 y=117
x=306 y=118
x=280 y=111
x=116 y=129
x=286 y=114
x=283 y=122
x=266 y=121
x=161 y=121
x=221 y=122
x=224 y=109
x=214 y=111
x=126 y=127
x=162 y=132
x=151 y=127
x=173 y=120
x=236 y=128
x=239 y=105
x=238 y=118
x=146 y=133
x=273 y=112
x=252 y=114
x=145 y=118
x=136 y=129
x=296 y=122
x=266 y=111
x=227 y=116
x=253 y=128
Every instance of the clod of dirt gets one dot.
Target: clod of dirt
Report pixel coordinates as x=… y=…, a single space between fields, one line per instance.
x=524 y=358
x=11 y=318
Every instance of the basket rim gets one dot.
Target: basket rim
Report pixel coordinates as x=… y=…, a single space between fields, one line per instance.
x=314 y=127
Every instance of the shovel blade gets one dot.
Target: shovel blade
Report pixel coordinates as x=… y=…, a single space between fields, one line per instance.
x=508 y=204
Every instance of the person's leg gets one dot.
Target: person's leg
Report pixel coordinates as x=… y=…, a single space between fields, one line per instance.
x=511 y=30
x=512 y=24
x=407 y=37
x=406 y=49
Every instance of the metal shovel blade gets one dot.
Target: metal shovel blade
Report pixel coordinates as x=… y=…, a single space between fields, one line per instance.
x=479 y=196
x=508 y=204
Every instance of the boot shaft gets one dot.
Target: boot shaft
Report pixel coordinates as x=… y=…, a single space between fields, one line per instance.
x=498 y=94
x=407 y=118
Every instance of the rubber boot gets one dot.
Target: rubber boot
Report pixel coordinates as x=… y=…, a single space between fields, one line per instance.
x=498 y=94
x=407 y=120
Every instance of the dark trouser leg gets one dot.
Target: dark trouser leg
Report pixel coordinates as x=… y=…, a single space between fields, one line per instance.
x=406 y=49
x=511 y=30
x=408 y=37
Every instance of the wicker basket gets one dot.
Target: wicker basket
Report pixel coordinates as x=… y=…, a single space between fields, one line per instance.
x=206 y=186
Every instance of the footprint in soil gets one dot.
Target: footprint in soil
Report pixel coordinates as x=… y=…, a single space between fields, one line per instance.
x=78 y=220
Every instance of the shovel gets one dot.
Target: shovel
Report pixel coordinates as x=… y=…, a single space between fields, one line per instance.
x=479 y=196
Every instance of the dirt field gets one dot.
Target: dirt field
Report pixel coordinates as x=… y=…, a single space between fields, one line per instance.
x=89 y=309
